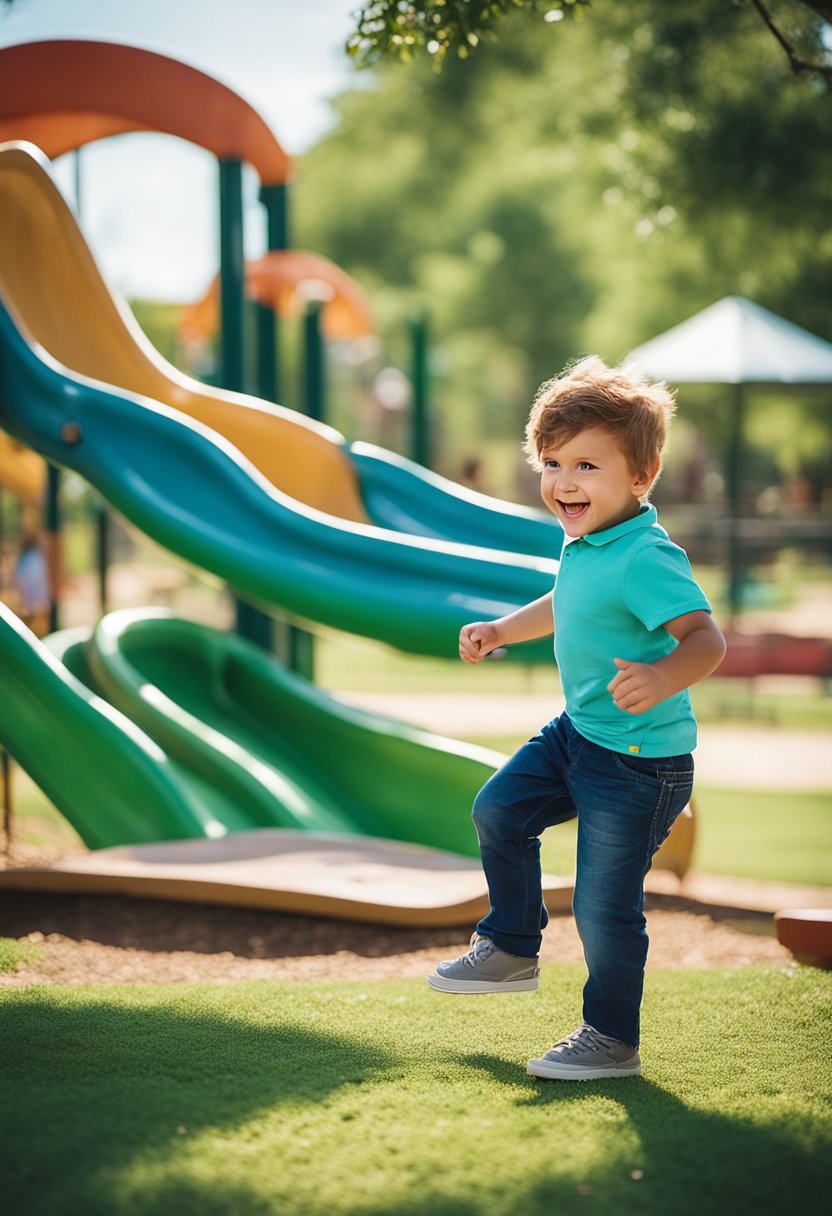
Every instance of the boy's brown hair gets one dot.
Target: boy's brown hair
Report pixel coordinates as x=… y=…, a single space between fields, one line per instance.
x=617 y=400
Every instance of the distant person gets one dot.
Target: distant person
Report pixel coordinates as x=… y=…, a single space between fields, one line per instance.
x=471 y=475
x=31 y=580
x=633 y=631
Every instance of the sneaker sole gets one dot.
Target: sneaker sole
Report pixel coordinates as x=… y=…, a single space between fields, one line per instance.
x=563 y=1072
x=441 y=984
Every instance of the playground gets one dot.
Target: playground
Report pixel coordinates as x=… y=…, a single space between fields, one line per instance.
x=239 y=756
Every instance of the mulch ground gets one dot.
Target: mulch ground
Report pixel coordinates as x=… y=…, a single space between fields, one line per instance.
x=97 y=939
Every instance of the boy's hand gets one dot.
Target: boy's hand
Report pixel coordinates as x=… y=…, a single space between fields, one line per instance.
x=477 y=640
x=637 y=687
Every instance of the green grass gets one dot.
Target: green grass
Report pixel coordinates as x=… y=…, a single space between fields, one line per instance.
x=343 y=662
x=362 y=666
x=760 y=834
x=785 y=837
x=13 y=953
x=36 y=821
x=382 y=1098
x=746 y=703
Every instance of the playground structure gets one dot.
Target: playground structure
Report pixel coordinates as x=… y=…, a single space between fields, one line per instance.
x=210 y=736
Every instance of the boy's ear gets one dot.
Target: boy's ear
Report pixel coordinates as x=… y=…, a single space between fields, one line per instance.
x=644 y=480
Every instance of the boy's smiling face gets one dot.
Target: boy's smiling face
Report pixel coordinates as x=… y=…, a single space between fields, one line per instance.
x=588 y=483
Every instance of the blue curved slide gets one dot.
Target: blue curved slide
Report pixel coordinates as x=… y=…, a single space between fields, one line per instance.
x=196 y=495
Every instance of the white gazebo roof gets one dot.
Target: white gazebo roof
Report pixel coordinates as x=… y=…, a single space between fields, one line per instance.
x=736 y=342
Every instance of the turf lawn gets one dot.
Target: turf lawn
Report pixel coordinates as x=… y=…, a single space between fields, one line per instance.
x=761 y=834
x=380 y=1098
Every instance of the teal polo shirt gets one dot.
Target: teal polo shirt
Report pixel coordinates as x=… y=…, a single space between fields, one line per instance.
x=614 y=591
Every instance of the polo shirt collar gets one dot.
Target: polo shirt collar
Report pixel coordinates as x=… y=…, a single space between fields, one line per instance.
x=645 y=519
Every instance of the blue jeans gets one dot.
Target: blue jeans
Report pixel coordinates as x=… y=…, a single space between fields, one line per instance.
x=625 y=806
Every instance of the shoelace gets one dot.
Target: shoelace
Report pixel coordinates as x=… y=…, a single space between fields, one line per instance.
x=585 y=1038
x=481 y=948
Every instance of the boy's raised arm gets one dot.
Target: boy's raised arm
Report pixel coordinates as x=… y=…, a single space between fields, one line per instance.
x=640 y=686
x=534 y=620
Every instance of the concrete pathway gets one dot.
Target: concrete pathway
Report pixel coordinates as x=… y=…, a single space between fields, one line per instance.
x=728 y=756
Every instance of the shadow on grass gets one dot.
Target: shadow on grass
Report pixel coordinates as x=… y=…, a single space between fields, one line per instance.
x=692 y=1161
x=97 y=1097
x=89 y=1089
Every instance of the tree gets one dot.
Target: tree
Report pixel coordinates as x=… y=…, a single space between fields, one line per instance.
x=579 y=186
x=401 y=28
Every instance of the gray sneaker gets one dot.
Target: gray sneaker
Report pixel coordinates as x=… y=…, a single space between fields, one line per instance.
x=486 y=968
x=587 y=1055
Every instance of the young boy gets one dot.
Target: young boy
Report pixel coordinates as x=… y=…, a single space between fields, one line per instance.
x=632 y=632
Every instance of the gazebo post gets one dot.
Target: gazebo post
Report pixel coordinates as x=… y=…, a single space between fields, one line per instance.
x=733 y=467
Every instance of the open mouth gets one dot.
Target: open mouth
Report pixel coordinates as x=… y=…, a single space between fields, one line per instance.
x=573 y=510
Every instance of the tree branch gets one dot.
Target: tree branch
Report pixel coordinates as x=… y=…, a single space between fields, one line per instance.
x=798 y=65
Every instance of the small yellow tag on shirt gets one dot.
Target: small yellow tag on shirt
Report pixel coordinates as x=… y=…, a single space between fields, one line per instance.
x=635 y=750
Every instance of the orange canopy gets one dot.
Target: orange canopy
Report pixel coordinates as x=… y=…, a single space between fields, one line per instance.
x=63 y=93
x=285 y=279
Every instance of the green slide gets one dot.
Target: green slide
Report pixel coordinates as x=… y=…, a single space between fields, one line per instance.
x=105 y=775
x=151 y=727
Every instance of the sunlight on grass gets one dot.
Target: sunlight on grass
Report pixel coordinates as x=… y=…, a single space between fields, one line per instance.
x=13 y=953
x=348 y=1098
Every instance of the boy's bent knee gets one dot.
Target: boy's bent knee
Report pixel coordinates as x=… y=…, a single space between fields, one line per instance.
x=490 y=810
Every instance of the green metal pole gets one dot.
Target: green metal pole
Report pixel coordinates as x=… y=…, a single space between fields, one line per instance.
x=314 y=362
x=102 y=548
x=302 y=644
x=420 y=389
x=101 y=513
x=8 y=806
x=275 y=199
x=232 y=275
x=54 y=542
x=734 y=494
x=292 y=644
x=250 y=622
x=267 y=369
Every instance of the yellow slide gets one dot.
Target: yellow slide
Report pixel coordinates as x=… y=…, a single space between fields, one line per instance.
x=21 y=470
x=57 y=295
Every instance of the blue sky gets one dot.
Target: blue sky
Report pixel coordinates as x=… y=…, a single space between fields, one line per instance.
x=149 y=206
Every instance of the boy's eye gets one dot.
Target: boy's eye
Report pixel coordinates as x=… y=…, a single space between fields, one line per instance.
x=586 y=465
x=550 y=464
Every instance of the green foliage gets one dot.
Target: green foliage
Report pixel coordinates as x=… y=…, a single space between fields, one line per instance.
x=400 y=29
x=160 y=322
x=576 y=186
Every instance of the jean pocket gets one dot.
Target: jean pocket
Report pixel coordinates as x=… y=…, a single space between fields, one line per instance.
x=674 y=798
x=675 y=771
